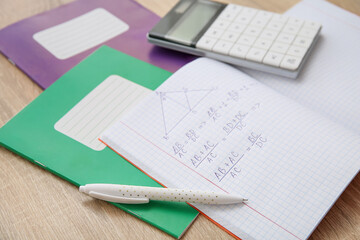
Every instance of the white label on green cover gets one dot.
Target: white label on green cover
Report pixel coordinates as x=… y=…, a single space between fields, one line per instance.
x=99 y=109
x=81 y=33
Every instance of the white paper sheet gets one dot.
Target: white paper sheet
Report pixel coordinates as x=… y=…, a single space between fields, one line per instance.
x=211 y=127
x=330 y=81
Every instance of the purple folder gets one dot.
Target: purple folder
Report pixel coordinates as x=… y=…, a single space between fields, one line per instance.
x=18 y=45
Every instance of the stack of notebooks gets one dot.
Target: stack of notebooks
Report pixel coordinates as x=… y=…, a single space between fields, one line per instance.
x=209 y=126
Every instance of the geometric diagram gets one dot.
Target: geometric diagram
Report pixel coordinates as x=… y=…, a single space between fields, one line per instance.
x=176 y=105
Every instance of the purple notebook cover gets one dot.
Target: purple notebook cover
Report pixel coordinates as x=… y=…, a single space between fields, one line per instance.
x=18 y=45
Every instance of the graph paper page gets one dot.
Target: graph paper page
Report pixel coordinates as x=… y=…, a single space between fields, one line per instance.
x=329 y=83
x=211 y=127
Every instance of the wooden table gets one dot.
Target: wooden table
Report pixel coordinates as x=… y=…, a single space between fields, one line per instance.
x=35 y=204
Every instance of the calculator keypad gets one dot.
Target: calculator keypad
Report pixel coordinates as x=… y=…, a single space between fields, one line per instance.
x=260 y=36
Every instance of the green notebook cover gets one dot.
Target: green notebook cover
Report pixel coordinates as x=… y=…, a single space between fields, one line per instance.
x=32 y=135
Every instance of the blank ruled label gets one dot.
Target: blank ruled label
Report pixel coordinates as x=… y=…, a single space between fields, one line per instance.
x=81 y=33
x=100 y=109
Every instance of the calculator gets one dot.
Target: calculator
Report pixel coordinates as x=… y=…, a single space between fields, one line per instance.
x=238 y=35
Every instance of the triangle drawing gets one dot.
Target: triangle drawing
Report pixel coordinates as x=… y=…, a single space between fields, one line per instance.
x=176 y=105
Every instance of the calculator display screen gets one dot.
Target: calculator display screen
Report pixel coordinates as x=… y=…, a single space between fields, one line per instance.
x=192 y=22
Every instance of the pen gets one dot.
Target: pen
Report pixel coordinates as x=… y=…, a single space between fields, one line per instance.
x=138 y=194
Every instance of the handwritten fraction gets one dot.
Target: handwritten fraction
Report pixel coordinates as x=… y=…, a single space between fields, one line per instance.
x=193 y=145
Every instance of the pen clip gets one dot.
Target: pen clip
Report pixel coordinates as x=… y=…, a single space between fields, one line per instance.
x=116 y=199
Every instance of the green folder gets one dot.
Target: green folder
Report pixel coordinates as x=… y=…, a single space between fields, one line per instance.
x=31 y=134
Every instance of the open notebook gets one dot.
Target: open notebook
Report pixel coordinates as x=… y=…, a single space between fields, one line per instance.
x=212 y=127
x=219 y=129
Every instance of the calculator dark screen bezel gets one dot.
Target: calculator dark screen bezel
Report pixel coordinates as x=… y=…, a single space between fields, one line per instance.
x=167 y=23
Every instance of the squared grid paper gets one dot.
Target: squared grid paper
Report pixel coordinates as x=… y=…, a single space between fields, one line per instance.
x=291 y=178
x=328 y=83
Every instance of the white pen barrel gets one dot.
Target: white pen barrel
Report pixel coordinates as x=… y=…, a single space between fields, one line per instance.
x=191 y=196
x=163 y=194
x=180 y=195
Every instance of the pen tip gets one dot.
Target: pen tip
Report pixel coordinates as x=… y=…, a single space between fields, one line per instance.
x=245 y=199
x=82 y=189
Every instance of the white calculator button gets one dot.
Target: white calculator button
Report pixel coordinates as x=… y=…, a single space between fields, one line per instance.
x=285 y=38
x=263 y=43
x=243 y=19
x=256 y=54
x=237 y=27
x=239 y=51
x=307 y=32
x=279 y=47
x=273 y=58
x=280 y=18
x=302 y=42
x=296 y=21
x=312 y=25
x=230 y=36
x=252 y=31
x=214 y=32
x=262 y=18
x=220 y=24
x=264 y=15
x=227 y=15
x=290 y=62
x=275 y=25
x=291 y=28
x=206 y=43
x=269 y=34
x=251 y=12
x=222 y=47
x=246 y=40
x=296 y=51
x=259 y=22
x=233 y=8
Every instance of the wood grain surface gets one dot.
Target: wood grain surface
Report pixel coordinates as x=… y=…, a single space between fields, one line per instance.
x=35 y=204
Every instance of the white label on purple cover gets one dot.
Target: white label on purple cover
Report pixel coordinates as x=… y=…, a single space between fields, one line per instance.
x=86 y=31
